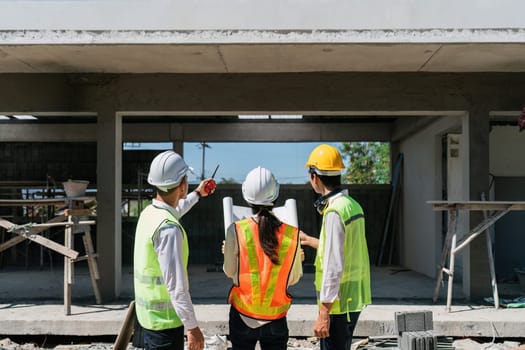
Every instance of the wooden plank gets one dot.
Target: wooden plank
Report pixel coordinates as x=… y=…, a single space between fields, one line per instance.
x=92 y=264
x=493 y=282
x=477 y=205
x=85 y=257
x=445 y=252
x=68 y=270
x=12 y=242
x=126 y=330
x=6 y=224
x=77 y=212
x=35 y=237
x=68 y=252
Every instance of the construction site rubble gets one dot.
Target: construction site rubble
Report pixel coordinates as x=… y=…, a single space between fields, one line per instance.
x=470 y=344
x=215 y=342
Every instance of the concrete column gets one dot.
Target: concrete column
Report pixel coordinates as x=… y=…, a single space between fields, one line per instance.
x=109 y=188
x=176 y=137
x=178 y=146
x=476 y=263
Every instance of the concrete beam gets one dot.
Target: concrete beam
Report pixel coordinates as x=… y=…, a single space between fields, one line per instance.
x=291 y=132
x=287 y=93
x=212 y=132
x=406 y=127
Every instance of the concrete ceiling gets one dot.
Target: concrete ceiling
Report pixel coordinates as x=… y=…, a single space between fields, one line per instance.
x=261 y=57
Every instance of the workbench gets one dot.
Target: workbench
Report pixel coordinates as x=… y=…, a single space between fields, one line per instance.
x=493 y=211
x=72 y=221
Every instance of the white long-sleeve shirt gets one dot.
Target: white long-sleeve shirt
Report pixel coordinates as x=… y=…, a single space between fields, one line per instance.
x=231 y=265
x=168 y=245
x=333 y=255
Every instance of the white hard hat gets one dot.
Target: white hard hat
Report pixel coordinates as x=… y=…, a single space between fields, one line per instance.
x=260 y=187
x=167 y=170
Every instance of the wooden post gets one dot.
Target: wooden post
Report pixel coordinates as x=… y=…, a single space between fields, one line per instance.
x=452 y=219
x=126 y=331
x=92 y=264
x=68 y=268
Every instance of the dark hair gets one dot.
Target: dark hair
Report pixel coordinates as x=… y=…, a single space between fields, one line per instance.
x=330 y=182
x=267 y=225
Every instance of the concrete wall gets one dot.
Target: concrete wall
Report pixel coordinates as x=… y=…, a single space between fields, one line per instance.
x=509 y=231
x=263 y=15
x=507 y=164
x=507 y=146
x=423 y=170
x=422 y=181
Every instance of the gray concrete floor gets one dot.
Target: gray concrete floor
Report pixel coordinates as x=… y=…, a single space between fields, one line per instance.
x=31 y=303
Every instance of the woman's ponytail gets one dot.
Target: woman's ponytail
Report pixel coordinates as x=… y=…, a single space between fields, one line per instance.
x=267 y=225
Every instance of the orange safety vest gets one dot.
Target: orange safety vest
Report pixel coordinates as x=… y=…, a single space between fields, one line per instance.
x=262 y=290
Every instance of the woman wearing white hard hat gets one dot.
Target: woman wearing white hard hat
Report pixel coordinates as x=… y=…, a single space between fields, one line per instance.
x=162 y=299
x=263 y=257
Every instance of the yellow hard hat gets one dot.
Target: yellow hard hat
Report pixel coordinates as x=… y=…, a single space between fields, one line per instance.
x=325 y=160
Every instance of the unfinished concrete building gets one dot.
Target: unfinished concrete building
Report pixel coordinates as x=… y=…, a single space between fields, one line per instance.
x=441 y=81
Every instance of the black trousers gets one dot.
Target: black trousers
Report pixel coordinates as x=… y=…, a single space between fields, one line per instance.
x=167 y=339
x=271 y=336
x=341 y=332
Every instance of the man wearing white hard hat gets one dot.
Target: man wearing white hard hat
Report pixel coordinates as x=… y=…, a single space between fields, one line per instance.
x=162 y=299
x=262 y=256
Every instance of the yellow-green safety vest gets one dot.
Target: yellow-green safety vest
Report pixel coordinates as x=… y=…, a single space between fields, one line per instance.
x=354 y=289
x=152 y=301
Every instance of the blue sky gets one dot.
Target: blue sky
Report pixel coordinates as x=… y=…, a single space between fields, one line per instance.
x=285 y=160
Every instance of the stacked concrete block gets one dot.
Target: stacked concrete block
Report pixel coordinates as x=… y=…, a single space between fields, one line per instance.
x=418 y=340
x=415 y=330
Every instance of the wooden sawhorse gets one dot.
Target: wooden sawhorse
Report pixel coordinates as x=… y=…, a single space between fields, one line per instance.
x=451 y=247
x=72 y=224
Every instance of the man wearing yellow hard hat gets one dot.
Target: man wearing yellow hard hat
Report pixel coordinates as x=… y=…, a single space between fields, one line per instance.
x=342 y=266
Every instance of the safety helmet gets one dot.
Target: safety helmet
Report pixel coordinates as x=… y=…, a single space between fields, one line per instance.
x=260 y=187
x=167 y=170
x=325 y=160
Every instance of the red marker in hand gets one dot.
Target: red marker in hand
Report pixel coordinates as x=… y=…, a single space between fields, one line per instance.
x=210 y=185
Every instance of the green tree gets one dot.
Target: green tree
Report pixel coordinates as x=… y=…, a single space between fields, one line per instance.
x=366 y=162
x=229 y=180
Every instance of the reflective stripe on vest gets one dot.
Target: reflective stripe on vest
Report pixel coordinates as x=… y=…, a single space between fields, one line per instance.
x=262 y=290
x=152 y=300
x=354 y=289
x=153 y=305
x=155 y=280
